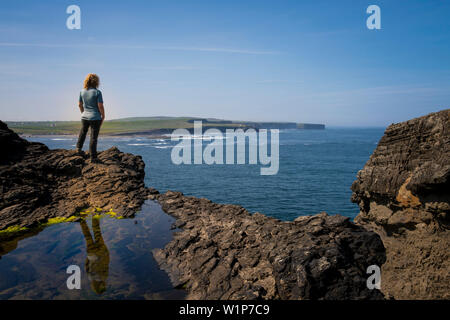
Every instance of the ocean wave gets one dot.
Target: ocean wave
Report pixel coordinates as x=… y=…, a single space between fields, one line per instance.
x=193 y=137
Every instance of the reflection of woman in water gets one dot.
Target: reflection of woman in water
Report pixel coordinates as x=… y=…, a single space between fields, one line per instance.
x=97 y=261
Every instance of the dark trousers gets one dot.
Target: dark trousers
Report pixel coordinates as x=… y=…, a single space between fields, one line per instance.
x=95 y=129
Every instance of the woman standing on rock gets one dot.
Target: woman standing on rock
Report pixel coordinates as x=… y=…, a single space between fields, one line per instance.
x=92 y=114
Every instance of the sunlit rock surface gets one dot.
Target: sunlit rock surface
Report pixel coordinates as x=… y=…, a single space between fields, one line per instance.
x=37 y=183
x=403 y=193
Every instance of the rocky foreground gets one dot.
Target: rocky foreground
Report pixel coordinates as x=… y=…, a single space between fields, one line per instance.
x=37 y=183
x=221 y=251
x=403 y=193
x=224 y=252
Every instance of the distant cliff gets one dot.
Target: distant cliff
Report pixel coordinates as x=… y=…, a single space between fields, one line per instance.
x=403 y=193
x=148 y=126
x=313 y=126
x=259 y=125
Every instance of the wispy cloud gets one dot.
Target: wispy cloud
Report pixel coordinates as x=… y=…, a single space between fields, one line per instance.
x=126 y=46
x=329 y=33
x=225 y=50
x=274 y=81
x=171 y=68
x=97 y=65
x=389 y=90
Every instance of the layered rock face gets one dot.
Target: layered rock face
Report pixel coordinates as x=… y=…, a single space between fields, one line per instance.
x=403 y=193
x=37 y=183
x=224 y=252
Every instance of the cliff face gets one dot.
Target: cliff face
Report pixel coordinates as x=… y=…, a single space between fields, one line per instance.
x=37 y=183
x=403 y=193
x=224 y=252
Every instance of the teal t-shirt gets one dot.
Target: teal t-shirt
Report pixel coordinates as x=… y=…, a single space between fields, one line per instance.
x=90 y=98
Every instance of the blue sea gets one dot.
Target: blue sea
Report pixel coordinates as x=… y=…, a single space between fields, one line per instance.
x=316 y=170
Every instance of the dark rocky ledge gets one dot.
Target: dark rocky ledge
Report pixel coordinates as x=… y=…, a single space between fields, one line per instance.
x=403 y=193
x=38 y=183
x=224 y=252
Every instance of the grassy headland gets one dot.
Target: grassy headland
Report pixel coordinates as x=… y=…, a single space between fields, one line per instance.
x=138 y=125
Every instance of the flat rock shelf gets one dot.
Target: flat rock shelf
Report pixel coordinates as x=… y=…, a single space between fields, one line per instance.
x=224 y=252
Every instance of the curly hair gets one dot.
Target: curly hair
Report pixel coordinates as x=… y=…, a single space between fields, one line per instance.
x=92 y=81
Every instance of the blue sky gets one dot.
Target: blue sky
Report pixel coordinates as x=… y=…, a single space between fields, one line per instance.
x=304 y=61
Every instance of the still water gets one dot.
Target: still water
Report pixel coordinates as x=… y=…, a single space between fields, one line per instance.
x=115 y=258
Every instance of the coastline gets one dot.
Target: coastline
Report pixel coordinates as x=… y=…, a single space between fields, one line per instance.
x=150 y=126
x=111 y=136
x=224 y=252
x=244 y=268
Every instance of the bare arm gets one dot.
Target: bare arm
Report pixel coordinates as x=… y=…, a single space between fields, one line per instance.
x=101 y=108
x=80 y=105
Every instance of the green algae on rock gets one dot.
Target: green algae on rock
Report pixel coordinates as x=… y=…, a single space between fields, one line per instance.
x=16 y=230
x=13 y=229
